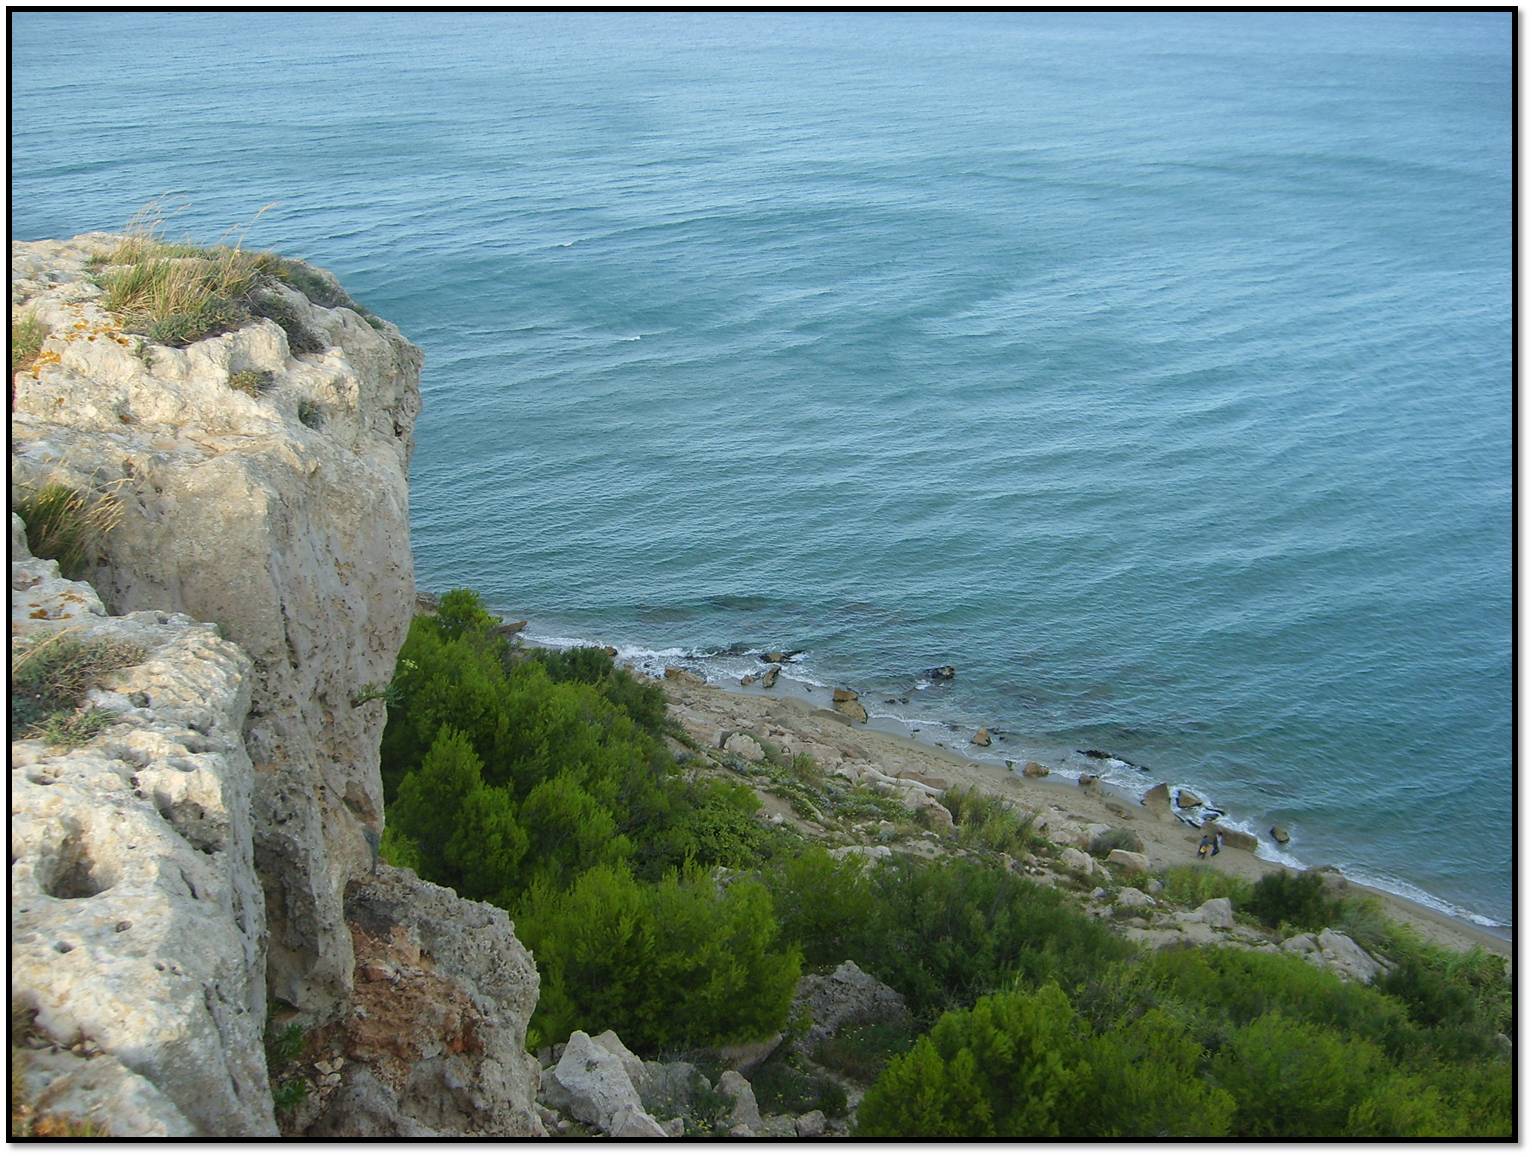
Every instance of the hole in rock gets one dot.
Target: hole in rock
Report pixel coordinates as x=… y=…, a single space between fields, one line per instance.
x=72 y=873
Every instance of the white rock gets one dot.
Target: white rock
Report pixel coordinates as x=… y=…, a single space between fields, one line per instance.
x=745 y=1111
x=1081 y=863
x=612 y=1043
x=1215 y=913
x=869 y=852
x=294 y=540
x=811 y=1124
x=1133 y=898
x=745 y=747
x=1133 y=861
x=592 y=1085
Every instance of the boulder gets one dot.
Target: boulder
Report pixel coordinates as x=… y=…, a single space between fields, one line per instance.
x=811 y=1124
x=872 y=852
x=745 y=1111
x=1215 y=913
x=770 y=678
x=682 y=675
x=843 y=695
x=935 y=816
x=1132 y=861
x=671 y=1086
x=1088 y=781
x=944 y=673
x=1237 y=839
x=1074 y=860
x=745 y=747
x=592 y=1085
x=1133 y=898
x=1343 y=956
x=1187 y=799
x=1280 y=834
x=746 y=680
x=847 y=996
x=365 y=1107
x=1034 y=770
x=1157 y=799
x=981 y=737
x=852 y=709
x=631 y=1064
x=779 y=656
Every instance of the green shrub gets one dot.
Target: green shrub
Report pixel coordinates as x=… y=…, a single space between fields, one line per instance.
x=667 y=965
x=67 y=525
x=176 y=300
x=782 y=1085
x=300 y=339
x=315 y=284
x=1113 y=838
x=1192 y=885
x=1279 y=898
x=1291 y=1079
x=861 y=1052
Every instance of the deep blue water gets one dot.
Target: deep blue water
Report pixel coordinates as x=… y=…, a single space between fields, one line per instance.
x=1153 y=369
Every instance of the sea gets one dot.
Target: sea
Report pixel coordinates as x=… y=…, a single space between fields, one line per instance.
x=1153 y=370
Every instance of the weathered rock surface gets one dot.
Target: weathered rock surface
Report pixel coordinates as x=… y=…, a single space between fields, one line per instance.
x=1081 y=863
x=1237 y=839
x=852 y=709
x=745 y=747
x=592 y=1084
x=1280 y=834
x=1034 y=770
x=981 y=737
x=1186 y=798
x=745 y=1111
x=1132 y=861
x=1337 y=952
x=1215 y=913
x=291 y=535
x=769 y=679
x=1157 y=799
x=847 y=996
x=1133 y=898
x=136 y=912
x=443 y=993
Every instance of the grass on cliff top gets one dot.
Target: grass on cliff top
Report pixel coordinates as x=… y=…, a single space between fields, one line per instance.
x=177 y=292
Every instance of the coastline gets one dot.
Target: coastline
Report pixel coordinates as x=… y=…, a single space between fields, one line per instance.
x=791 y=714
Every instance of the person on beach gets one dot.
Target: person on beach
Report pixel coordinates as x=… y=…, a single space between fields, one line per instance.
x=1217 y=842
x=1204 y=847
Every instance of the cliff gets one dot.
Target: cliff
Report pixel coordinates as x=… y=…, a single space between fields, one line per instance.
x=206 y=838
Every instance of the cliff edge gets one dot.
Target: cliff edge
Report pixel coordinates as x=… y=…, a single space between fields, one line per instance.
x=259 y=558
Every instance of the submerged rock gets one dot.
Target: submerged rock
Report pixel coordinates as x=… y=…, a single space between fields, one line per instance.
x=1280 y=834
x=1185 y=799
x=944 y=672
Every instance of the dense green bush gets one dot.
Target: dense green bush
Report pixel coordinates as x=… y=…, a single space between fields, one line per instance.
x=667 y=965
x=1279 y=898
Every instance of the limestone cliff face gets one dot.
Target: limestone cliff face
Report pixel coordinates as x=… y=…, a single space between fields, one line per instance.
x=291 y=535
x=279 y=515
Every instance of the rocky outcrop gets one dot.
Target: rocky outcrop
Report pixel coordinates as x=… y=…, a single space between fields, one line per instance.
x=136 y=914
x=1131 y=861
x=281 y=517
x=1157 y=799
x=847 y=996
x=1336 y=952
x=593 y=1085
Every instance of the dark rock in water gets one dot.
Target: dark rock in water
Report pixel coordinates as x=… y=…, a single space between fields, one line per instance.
x=1186 y=798
x=1189 y=822
x=891 y=702
x=611 y=651
x=946 y=672
x=1093 y=753
x=746 y=680
x=1211 y=812
x=779 y=656
x=904 y=698
x=511 y=628
x=1280 y=834
x=770 y=678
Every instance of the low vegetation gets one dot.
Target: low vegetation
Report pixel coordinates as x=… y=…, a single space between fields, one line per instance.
x=656 y=905
x=50 y=675
x=177 y=292
x=253 y=383
x=68 y=525
x=27 y=335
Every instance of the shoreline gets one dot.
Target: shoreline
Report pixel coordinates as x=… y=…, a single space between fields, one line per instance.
x=791 y=713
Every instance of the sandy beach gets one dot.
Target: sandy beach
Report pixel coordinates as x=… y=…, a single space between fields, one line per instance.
x=790 y=715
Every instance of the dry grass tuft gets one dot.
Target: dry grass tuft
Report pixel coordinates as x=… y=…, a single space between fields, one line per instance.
x=50 y=675
x=68 y=526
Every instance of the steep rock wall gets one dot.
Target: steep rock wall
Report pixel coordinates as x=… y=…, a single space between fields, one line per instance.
x=282 y=518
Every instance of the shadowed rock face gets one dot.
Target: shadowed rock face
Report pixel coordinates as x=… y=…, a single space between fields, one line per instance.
x=282 y=518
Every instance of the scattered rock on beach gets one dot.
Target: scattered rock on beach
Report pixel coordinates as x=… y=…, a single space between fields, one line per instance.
x=746 y=680
x=770 y=678
x=1244 y=841
x=844 y=695
x=1157 y=798
x=1035 y=770
x=852 y=709
x=745 y=747
x=981 y=737
x=1280 y=834
x=681 y=675
x=1133 y=861
x=1186 y=798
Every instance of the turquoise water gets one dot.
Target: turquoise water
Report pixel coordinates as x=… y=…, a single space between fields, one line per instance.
x=1152 y=369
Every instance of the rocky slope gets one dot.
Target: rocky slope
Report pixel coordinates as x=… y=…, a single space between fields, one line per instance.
x=279 y=515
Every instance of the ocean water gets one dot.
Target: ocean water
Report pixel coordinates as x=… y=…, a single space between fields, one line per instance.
x=1152 y=369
